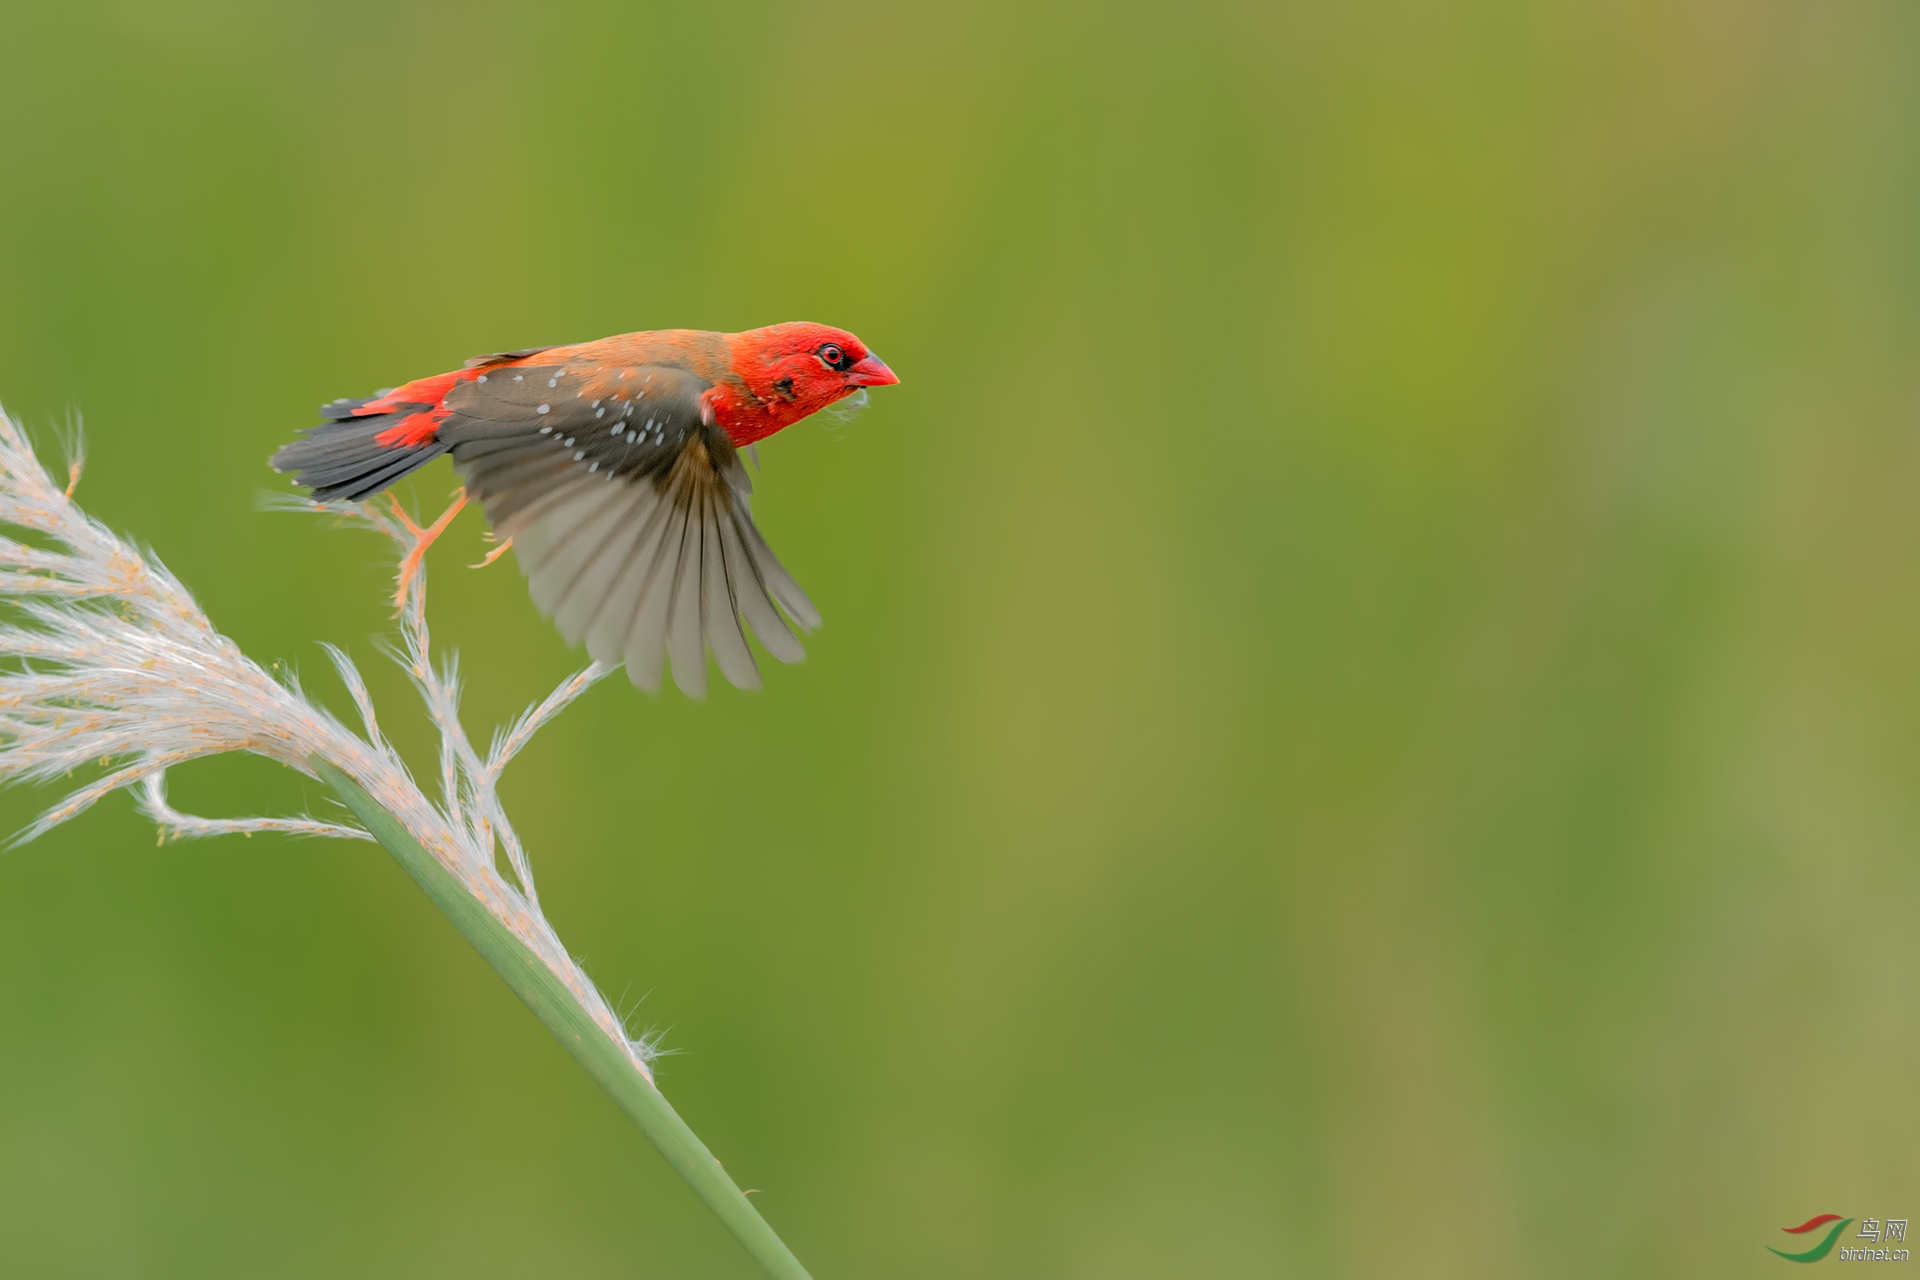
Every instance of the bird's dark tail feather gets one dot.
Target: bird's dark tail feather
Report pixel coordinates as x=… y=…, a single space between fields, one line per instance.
x=343 y=459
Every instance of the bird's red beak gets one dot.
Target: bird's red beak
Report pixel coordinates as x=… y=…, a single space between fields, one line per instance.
x=871 y=372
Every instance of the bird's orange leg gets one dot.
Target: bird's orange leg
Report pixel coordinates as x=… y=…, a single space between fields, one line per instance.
x=422 y=539
x=493 y=555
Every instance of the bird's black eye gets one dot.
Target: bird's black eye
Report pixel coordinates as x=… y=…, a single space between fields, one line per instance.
x=832 y=356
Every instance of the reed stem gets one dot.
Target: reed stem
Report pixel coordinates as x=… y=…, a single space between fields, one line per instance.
x=551 y=1002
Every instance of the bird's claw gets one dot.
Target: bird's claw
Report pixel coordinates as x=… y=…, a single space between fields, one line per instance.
x=400 y=513
x=422 y=539
x=492 y=555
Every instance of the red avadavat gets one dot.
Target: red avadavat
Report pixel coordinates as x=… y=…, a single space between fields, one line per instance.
x=612 y=469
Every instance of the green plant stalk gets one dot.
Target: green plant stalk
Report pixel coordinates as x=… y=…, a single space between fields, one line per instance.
x=551 y=1002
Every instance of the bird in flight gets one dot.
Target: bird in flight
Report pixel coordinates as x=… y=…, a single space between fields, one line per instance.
x=612 y=468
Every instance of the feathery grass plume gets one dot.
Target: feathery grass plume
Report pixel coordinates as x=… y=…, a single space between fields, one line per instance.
x=115 y=665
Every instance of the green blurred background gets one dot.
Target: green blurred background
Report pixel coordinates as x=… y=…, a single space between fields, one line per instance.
x=1367 y=723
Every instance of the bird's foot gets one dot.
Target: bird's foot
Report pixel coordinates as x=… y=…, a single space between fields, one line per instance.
x=422 y=539
x=493 y=555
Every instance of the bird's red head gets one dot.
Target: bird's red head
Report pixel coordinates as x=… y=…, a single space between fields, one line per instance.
x=800 y=368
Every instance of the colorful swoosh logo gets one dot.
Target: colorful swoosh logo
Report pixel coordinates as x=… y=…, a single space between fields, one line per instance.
x=1820 y=1250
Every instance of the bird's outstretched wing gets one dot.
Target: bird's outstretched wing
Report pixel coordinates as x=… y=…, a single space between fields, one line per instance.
x=629 y=514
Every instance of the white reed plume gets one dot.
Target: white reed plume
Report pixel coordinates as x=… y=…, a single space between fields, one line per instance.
x=118 y=667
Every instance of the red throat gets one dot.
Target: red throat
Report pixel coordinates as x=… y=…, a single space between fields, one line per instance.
x=746 y=421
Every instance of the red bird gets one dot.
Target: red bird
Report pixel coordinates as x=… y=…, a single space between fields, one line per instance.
x=612 y=468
